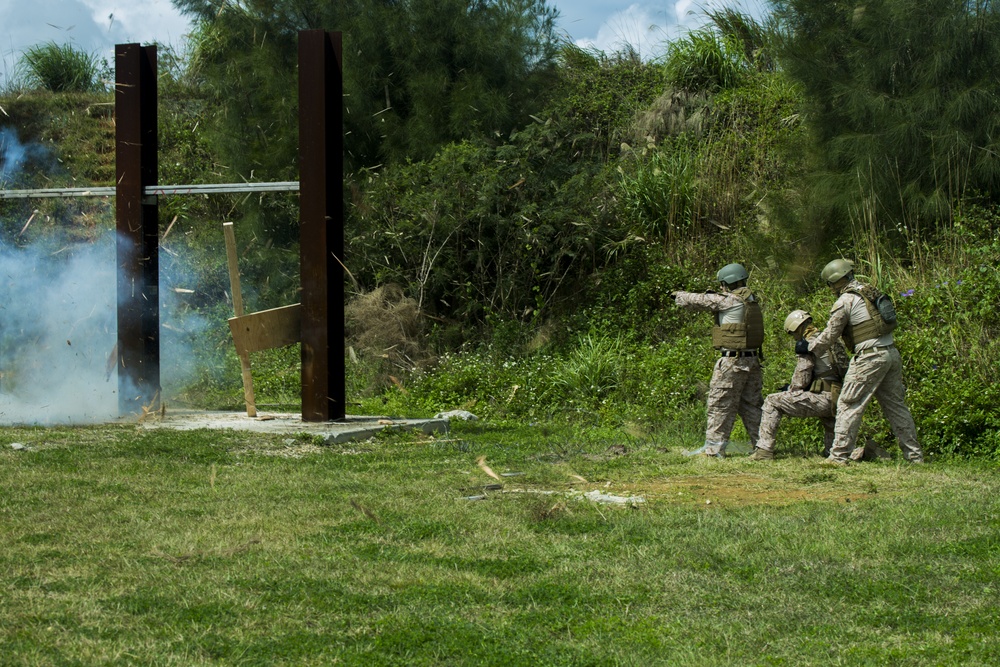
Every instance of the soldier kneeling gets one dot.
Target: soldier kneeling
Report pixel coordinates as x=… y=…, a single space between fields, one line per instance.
x=812 y=392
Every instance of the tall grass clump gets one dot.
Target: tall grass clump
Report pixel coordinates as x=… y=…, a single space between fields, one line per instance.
x=705 y=60
x=62 y=69
x=660 y=191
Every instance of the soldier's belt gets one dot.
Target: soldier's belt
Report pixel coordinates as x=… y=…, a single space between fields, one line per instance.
x=738 y=353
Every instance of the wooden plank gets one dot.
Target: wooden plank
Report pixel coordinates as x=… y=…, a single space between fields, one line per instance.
x=234 y=284
x=248 y=397
x=267 y=329
x=234 y=269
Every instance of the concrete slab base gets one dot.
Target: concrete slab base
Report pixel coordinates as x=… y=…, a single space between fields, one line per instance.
x=332 y=432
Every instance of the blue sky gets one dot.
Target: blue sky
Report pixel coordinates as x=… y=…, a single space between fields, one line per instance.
x=96 y=26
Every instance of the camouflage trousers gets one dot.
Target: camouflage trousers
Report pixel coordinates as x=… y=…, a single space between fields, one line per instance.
x=796 y=404
x=876 y=374
x=736 y=389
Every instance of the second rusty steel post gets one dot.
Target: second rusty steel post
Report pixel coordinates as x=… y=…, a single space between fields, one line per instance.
x=321 y=219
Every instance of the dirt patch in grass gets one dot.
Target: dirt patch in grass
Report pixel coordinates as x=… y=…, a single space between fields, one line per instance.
x=737 y=490
x=741 y=490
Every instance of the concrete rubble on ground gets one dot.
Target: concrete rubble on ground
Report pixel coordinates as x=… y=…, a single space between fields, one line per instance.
x=464 y=415
x=610 y=499
x=332 y=432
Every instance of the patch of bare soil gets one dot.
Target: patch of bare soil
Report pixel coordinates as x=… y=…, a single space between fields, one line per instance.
x=740 y=490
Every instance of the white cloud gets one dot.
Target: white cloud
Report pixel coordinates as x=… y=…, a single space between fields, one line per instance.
x=647 y=27
x=637 y=26
x=145 y=22
x=684 y=9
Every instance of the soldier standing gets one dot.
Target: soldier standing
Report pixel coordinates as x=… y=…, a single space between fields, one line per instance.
x=737 y=381
x=876 y=370
x=812 y=392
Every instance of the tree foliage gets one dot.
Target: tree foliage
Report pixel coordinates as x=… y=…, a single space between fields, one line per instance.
x=483 y=231
x=723 y=54
x=493 y=230
x=901 y=99
x=417 y=74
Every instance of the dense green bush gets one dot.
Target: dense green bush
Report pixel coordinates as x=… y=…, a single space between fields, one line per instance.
x=951 y=345
x=480 y=230
x=899 y=96
x=598 y=96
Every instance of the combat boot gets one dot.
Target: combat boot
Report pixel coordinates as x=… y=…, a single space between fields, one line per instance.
x=759 y=454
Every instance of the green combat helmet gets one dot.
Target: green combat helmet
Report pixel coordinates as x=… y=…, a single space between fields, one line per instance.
x=836 y=270
x=732 y=273
x=795 y=319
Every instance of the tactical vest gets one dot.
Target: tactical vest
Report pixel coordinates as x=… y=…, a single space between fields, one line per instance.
x=746 y=332
x=874 y=327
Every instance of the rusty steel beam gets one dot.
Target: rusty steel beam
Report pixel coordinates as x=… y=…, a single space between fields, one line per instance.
x=321 y=220
x=137 y=218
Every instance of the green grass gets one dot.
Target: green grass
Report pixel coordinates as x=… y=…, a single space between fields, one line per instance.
x=130 y=546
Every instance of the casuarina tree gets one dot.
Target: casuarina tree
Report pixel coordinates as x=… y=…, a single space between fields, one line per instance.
x=901 y=100
x=417 y=74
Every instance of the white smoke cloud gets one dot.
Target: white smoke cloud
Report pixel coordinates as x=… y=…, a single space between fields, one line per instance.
x=14 y=155
x=58 y=316
x=57 y=331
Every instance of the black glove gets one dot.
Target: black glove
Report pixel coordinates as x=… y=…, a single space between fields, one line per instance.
x=802 y=346
x=784 y=387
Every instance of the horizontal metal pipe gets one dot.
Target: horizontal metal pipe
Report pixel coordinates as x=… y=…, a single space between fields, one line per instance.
x=57 y=192
x=156 y=190
x=221 y=188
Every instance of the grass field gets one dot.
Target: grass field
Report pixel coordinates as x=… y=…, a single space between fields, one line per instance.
x=128 y=546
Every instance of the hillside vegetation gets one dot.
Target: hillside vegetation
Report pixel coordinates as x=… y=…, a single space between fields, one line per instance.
x=517 y=262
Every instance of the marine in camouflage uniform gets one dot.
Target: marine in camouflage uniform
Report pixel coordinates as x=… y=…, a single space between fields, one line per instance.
x=875 y=371
x=736 y=387
x=811 y=392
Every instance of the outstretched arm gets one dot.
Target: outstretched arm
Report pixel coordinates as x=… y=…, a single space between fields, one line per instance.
x=707 y=301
